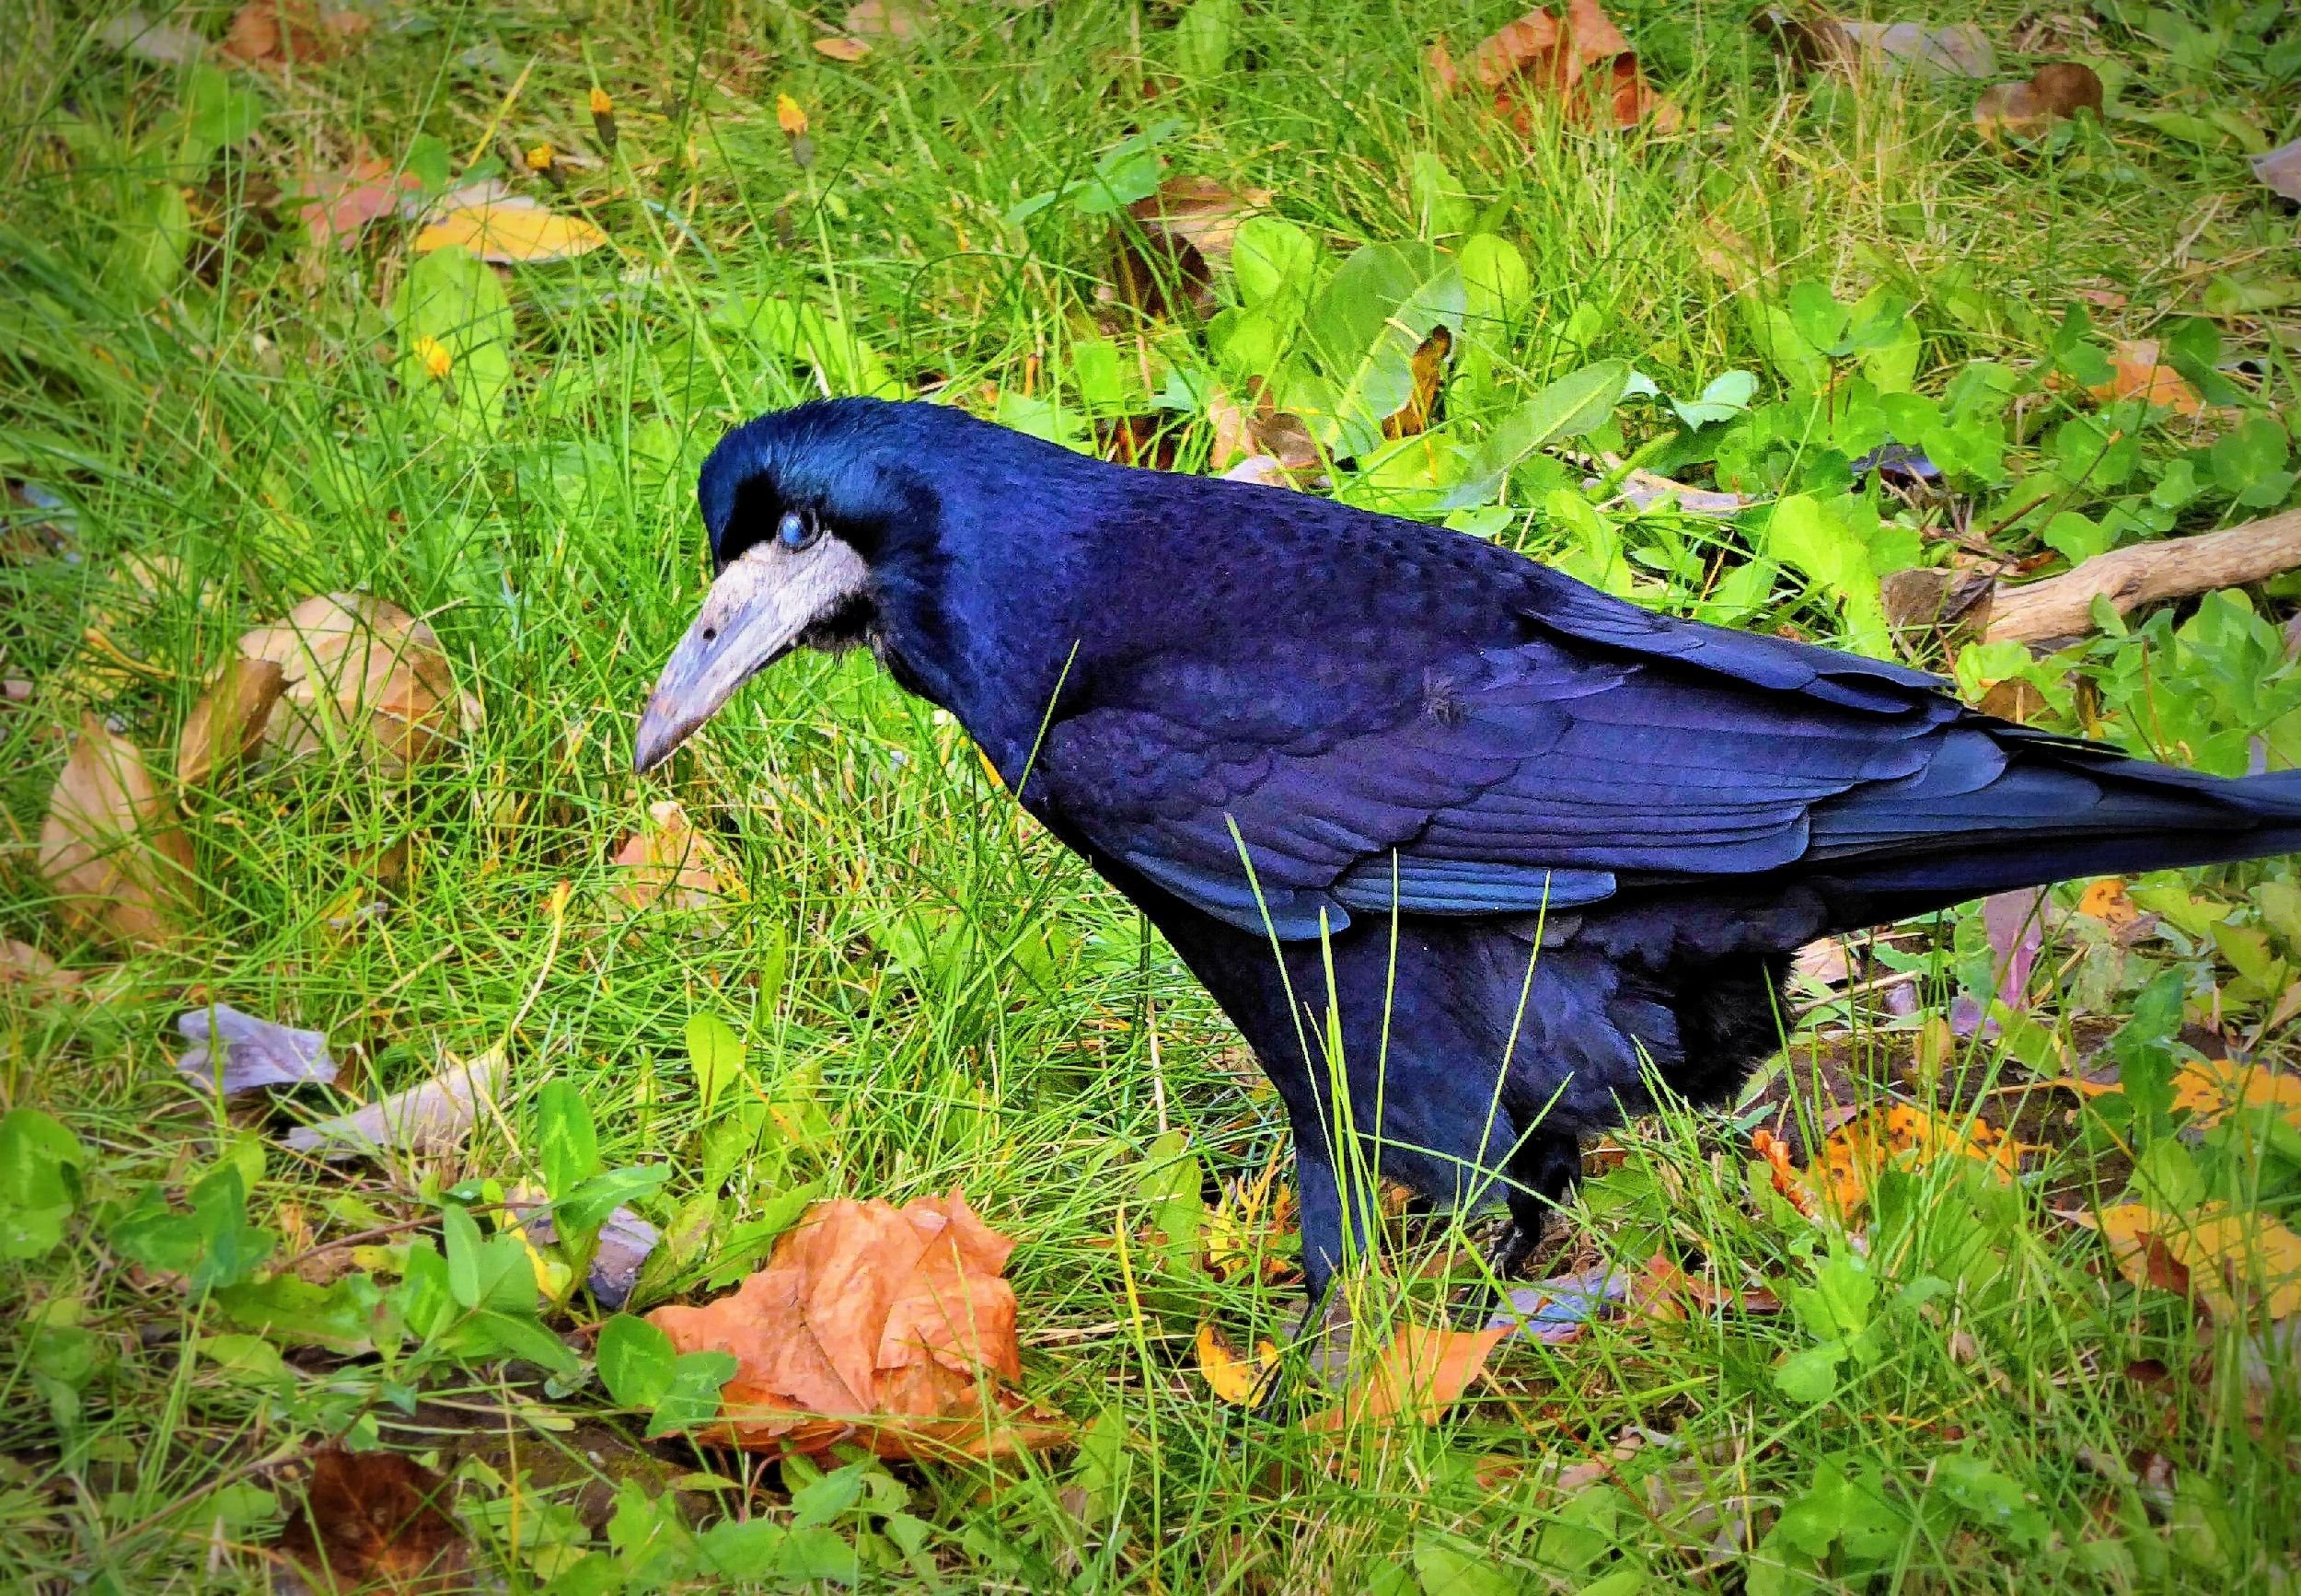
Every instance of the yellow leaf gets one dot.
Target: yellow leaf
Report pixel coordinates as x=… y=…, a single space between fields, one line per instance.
x=515 y=229
x=1229 y=1376
x=1904 y=1137
x=1423 y=1371
x=843 y=49
x=789 y=116
x=2105 y=900
x=2214 y=1089
x=2225 y=1257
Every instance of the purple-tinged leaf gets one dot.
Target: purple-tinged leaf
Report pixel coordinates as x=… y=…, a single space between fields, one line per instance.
x=255 y=1052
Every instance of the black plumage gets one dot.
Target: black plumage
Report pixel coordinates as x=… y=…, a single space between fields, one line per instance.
x=1532 y=846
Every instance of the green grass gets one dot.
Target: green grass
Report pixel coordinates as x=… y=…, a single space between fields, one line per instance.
x=961 y=1000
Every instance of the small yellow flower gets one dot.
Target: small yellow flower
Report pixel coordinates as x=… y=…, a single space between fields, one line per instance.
x=539 y=158
x=600 y=104
x=789 y=116
x=603 y=117
x=434 y=356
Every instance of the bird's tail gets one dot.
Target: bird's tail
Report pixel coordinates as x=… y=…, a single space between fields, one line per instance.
x=2056 y=812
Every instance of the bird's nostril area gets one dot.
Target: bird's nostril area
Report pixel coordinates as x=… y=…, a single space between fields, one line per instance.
x=710 y=634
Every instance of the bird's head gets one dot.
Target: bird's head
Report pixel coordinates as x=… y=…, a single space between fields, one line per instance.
x=833 y=524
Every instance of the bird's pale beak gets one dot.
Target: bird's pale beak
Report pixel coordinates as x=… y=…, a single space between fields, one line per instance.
x=753 y=614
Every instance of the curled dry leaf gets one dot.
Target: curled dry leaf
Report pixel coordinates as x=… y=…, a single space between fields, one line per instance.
x=2231 y=1260
x=892 y=1327
x=228 y=724
x=666 y=864
x=2057 y=92
x=1429 y=367
x=1578 y=58
x=110 y=847
x=434 y=1117
x=374 y=1521
x=1419 y=1373
x=510 y=229
x=276 y=32
x=256 y=1052
x=360 y=675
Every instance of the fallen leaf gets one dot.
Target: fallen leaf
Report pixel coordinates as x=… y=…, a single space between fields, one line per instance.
x=896 y=20
x=842 y=49
x=670 y=865
x=363 y=674
x=1233 y=438
x=256 y=1052
x=1825 y=962
x=892 y=1327
x=2229 y=1259
x=1959 y=50
x=110 y=847
x=1578 y=58
x=433 y=1116
x=376 y=1520
x=162 y=44
x=1164 y=260
x=1232 y=1378
x=2279 y=169
x=1787 y=1180
x=1421 y=1373
x=22 y=964
x=276 y=32
x=1903 y=1136
x=2213 y=1089
x=2136 y=374
x=226 y=725
x=2105 y=900
x=2057 y=92
x=1559 y=1309
x=514 y=228
x=336 y=205
x=1412 y=418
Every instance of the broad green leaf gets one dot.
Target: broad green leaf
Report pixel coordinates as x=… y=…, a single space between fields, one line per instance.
x=635 y=1361
x=566 y=1144
x=588 y=1206
x=1495 y=285
x=1725 y=396
x=715 y=1053
x=455 y=333
x=1363 y=329
x=1441 y=210
x=692 y=1397
x=1203 y=36
x=1567 y=408
x=295 y=1312
x=1171 y=1200
x=461 y=1233
x=1808 y=537
x=747 y=1549
x=519 y=1335
x=1275 y=261
x=1449 y=1566
x=819 y=1553
x=40 y=1160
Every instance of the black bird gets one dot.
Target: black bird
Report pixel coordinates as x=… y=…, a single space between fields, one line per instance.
x=1527 y=842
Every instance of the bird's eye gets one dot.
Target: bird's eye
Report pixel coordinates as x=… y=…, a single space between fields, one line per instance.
x=796 y=531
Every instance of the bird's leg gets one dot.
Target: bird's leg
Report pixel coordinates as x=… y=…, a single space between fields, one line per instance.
x=1540 y=1174
x=1324 y=1331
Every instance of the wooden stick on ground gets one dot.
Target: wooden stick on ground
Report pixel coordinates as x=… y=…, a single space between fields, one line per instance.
x=2145 y=573
x=2061 y=606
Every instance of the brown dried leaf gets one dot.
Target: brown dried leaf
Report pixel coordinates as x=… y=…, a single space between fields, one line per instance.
x=22 y=964
x=110 y=846
x=893 y=1327
x=1233 y=438
x=671 y=865
x=363 y=675
x=226 y=725
x=1578 y=57
x=1163 y=261
x=2137 y=375
x=275 y=32
x=1412 y=418
x=842 y=49
x=336 y=205
x=1888 y=49
x=2057 y=92
x=375 y=1521
x=1422 y=1372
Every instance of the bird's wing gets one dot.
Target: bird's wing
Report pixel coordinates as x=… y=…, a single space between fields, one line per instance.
x=1609 y=744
